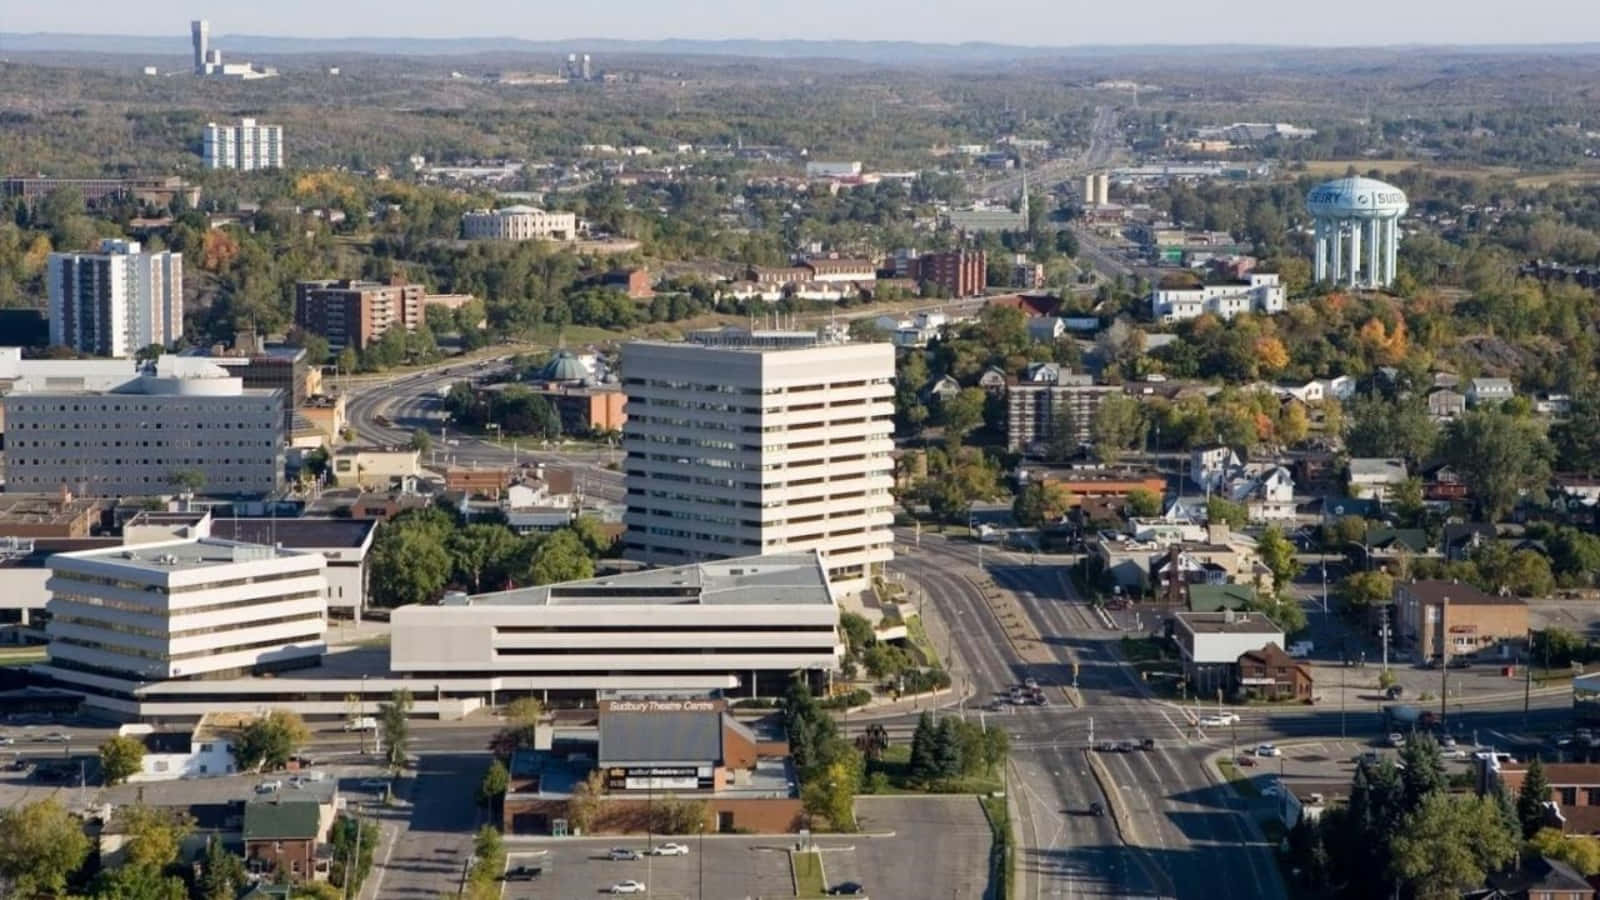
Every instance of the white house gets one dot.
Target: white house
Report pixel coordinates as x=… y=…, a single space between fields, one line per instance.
x=1376 y=477
x=1209 y=466
x=1267 y=493
x=1261 y=294
x=203 y=752
x=1489 y=390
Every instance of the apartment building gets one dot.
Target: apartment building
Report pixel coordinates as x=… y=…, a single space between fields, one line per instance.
x=1438 y=617
x=356 y=313
x=518 y=223
x=111 y=429
x=202 y=609
x=744 y=442
x=247 y=146
x=1034 y=410
x=115 y=302
x=739 y=624
x=157 y=190
x=958 y=273
x=1262 y=293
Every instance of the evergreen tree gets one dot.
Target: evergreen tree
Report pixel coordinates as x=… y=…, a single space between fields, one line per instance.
x=924 y=765
x=1531 y=799
x=1423 y=771
x=1376 y=810
x=947 y=749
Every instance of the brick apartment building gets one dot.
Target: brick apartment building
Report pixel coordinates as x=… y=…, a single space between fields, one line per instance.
x=355 y=313
x=959 y=273
x=1574 y=789
x=1432 y=612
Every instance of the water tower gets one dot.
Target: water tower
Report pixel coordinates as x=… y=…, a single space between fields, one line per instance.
x=1357 y=233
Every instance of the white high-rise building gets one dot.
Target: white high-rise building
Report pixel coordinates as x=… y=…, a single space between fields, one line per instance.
x=123 y=617
x=247 y=146
x=743 y=443
x=115 y=302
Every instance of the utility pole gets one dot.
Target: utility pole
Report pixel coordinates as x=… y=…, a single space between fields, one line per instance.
x=1527 y=679
x=1444 y=660
x=1385 y=634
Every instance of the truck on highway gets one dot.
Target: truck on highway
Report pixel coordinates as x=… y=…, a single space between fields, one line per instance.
x=1406 y=717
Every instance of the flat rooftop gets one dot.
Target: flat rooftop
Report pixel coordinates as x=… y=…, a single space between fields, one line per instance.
x=1224 y=623
x=779 y=578
x=300 y=533
x=180 y=556
x=43 y=509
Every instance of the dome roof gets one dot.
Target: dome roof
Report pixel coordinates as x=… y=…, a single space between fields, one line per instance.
x=1356 y=197
x=563 y=367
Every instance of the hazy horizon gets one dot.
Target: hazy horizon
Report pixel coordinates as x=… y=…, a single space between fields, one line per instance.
x=1023 y=23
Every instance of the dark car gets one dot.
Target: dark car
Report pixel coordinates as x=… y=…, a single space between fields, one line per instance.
x=1147 y=744
x=1126 y=746
x=1106 y=747
x=523 y=873
x=847 y=889
x=1393 y=692
x=1096 y=810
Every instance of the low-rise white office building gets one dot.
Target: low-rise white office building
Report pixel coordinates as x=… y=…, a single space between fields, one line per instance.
x=744 y=626
x=106 y=429
x=1211 y=643
x=206 y=609
x=343 y=543
x=518 y=223
x=1261 y=294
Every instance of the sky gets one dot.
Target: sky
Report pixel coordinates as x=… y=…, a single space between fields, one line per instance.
x=1033 y=22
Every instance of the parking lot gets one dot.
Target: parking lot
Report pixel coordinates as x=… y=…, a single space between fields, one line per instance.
x=940 y=848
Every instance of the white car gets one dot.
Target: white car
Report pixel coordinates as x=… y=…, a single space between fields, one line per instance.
x=1211 y=721
x=1228 y=718
x=1396 y=739
x=1268 y=750
x=671 y=850
x=628 y=887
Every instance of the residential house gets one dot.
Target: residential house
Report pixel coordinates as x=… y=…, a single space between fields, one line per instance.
x=1376 y=477
x=200 y=752
x=1574 y=790
x=1265 y=490
x=1442 y=484
x=993 y=380
x=1437 y=617
x=1046 y=329
x=1043 y=373
x=1271 y=674
x=1538 y=878
x=1211 y=644
x=1445 y=404
x=1210 y=465
x=1577 y=495
x=282 y=837
x=1553 y=404
x=1462 y=538
x=1481 y=391
x=942 y=387
x=1383 y=545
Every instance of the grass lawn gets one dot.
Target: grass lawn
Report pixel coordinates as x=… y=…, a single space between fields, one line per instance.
x=1000 y=859
x=918 y=636
x=1241 y=782
x=808 y=874
x=22 y=656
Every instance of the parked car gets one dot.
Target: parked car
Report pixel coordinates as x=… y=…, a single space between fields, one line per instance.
x=267 y=787
x=1031 y=684
x=6 y=741
x=623 y=854
x=1393 y=692
x=1448 y=742
x=364 y=723
x=1268 y=750
x=848 y=889
x=523 y=873
x=1396 y=739
x=1245 y=761
x=56 y=737
x=1127 y=746
x=1106 y=747
x=671 y=849
x=1147 y=743
x=628 y=887
x=1096 y=810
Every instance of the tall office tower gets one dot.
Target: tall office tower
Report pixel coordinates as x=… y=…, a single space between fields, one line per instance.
x=247 y=146
x=115 y=302
x=200 y=33
x=588 y=70
x=743 y=443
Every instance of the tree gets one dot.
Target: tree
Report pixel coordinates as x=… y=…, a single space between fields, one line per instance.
x=947 y=749
x=1531 y=798
x=420 y=441
x=394 y=724
x=1379 y=427
x=560 y=557
x=222 y=874
x=493 y=786
x=1577 y=440
x=583 y=808
x=40 y=845
x=346 y=833
x=1118 y=424
x=269 y=741
x=1449 y=844
x=1525 y=573
x=1277 y=554
x=130 y=882
x=1220 y=510
x=525 y=711
x=480 y=550
x=1499 y=457
x=1364 y=590
x=409 y=565
x=121 y=756
x=1580 y=851
x=186 y=481
x=1063 y=443
x=1144 y=503
x=923 y=766
x=1294 y=426
x=831 y=795
x=962 y=413
x=1041 y=503
x=1422 y=769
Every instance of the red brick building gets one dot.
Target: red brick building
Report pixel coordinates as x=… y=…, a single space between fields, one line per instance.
x=282 y=837
x=356 y=313
x=1272 y=674
x=959 y=273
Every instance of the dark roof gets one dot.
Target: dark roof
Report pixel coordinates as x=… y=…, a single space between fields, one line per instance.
x=44 y=548
x=1272 y=655
x=660 y=737
x=1459 y=532
x=295 y=532
x=269 y=820
x=1435 y=590
x=1541 y=874
x=167 y=741
x=1413 y=540
x=1217 y=597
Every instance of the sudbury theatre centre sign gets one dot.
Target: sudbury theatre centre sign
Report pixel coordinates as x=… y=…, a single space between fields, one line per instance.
x=661 y=706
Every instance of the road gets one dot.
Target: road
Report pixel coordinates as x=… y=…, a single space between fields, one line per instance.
x=413 y=401
x=1104 y=143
